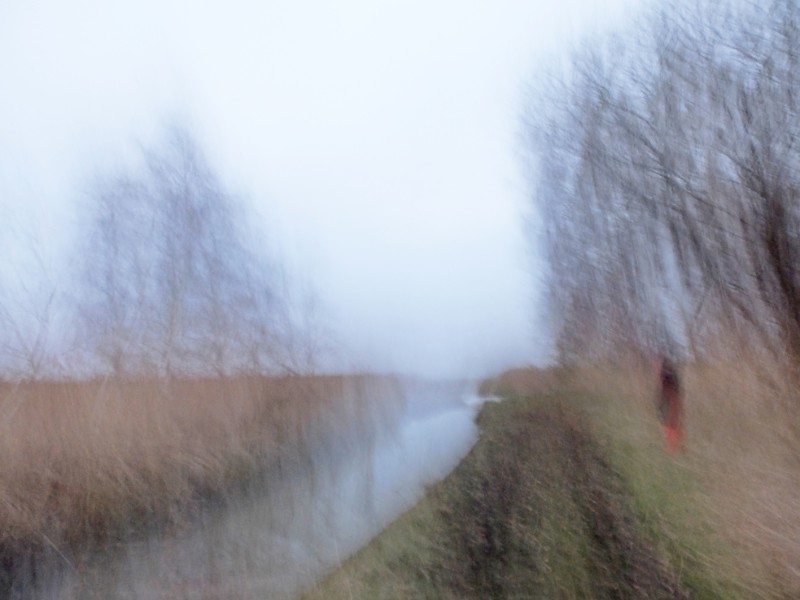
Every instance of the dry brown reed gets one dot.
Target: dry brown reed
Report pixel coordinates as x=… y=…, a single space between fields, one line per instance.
x=87 y=461
x=742 y=427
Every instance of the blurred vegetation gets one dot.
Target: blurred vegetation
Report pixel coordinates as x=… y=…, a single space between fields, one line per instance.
x=566 y=495
x=665 y=162
x=86 y=466
x=169 y=277
x=666 y=170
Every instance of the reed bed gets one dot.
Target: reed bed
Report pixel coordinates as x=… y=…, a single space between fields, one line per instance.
x=88 y=462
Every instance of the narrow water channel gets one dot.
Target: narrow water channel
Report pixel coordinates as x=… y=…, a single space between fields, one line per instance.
x=303 y=515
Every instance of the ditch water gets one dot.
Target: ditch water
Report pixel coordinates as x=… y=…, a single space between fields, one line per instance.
x=305 y=514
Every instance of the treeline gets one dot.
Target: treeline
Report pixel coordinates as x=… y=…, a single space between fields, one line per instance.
x=169 y=278
x=667 y=163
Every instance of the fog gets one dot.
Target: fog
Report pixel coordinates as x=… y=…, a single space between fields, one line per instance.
x=375 y=144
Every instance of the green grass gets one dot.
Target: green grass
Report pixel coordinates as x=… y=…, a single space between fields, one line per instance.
x=669 y=499
x=565 y=495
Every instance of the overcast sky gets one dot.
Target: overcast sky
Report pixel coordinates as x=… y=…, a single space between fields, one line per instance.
x=378 y=141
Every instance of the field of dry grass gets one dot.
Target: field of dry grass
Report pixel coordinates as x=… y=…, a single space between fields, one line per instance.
x=742 y=451
x=744 y=439
x=84 y=462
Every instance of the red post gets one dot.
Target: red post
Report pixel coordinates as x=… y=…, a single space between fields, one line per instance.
x=671 y=406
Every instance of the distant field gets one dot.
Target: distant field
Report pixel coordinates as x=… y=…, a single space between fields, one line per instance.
x=570 y=494
x=88 y=462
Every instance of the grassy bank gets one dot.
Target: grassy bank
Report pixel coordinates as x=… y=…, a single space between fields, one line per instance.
x=82 y=463
x=741 y=455
x=568 y=494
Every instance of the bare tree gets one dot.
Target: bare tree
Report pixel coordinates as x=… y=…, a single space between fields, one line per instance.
x=668 y=185
x=173 y=283
x=29 y=302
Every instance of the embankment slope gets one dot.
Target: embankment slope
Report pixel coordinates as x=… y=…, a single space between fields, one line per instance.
x=538 y=509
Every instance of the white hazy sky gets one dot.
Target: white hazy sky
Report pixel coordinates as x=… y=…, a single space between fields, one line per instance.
x=376 y=139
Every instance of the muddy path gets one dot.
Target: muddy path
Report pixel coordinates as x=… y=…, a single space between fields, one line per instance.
x=539 y=512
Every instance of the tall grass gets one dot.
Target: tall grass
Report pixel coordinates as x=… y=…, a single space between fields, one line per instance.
x=745 y=442
x=732 y=500
x=84 y=462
